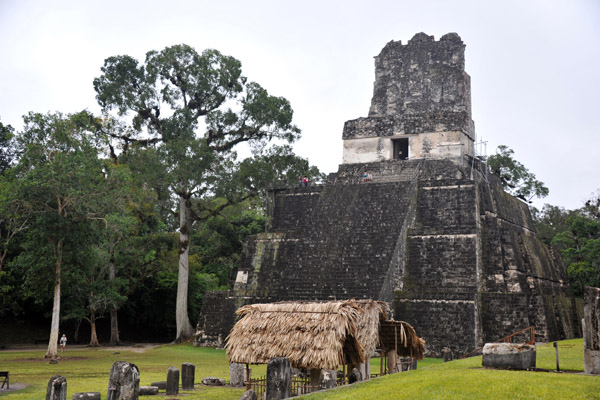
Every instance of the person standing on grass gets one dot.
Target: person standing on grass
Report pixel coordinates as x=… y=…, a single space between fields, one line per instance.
x=63 y=342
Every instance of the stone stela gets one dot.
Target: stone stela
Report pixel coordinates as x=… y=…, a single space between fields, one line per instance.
x=428 y=230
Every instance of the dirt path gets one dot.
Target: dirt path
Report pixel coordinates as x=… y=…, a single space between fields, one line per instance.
x=14 y=386
x=137 y=348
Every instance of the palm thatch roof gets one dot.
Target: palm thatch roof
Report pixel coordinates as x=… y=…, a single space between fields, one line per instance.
x=402 y=337
x=319 y=334
x=311 y=335
x=368 y=325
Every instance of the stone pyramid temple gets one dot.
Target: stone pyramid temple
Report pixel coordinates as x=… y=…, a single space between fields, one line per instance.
x=413 y=218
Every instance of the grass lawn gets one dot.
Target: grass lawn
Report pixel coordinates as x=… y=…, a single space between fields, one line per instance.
x=87 y=369
x=465 y=379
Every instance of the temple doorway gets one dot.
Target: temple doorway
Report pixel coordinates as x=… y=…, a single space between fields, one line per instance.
x=400 y=149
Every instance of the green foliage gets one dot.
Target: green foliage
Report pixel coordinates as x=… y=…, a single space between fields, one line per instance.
x=94 y=202
x=550 y=221
x=59 y=184
x=576 y=234
x=515 y=178
x=171 y=95
x=6 y=147
x=278 y=167
x=189 y=112
x=149 y=268
x=219 y=242
x=11 y=296
x=14 y=217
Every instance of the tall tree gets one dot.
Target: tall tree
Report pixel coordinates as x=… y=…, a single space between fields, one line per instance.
x=549 y=221
x=576 y=233
x=60 y=178
x=514 y=176
x=194 y=109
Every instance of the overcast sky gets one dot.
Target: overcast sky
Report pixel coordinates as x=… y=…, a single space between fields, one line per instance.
x=534 y=65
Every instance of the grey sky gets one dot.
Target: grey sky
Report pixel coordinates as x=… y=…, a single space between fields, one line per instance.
x=534 y=65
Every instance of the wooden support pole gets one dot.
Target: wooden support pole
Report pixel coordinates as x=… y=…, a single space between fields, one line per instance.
x=247 y=377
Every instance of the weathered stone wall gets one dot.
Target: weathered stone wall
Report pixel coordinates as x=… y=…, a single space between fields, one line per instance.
x=440 y=285
x=422 y=94
x=216 y=319
x=293 y=208
x=515 y=262
x=422 y=77
x=342 y=246
x=442 y=319
x=471 y=237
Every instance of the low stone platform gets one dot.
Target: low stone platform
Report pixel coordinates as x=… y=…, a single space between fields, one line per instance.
x=509 y=356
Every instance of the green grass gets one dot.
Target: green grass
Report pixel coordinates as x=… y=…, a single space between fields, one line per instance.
x=87 y=369
x=465 y=379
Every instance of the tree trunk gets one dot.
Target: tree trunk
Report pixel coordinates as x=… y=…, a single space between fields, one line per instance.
x=53 y=343
x=114 y=322
x=114 y=328
x=76 y=334
x=184 y=327
x=94 y=337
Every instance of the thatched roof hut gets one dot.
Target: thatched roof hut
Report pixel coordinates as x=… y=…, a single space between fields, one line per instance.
x=311 y=335
x=318 y=334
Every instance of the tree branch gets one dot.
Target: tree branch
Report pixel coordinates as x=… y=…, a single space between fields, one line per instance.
x=216 y=211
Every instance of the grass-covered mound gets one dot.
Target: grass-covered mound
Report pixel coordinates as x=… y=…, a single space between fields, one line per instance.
x=87 y=369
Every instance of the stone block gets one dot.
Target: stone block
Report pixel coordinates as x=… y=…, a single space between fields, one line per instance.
x=188 y=373
x=172 y=381
x=509 y=356
x=86 y=396
x=57 y=388
x=148 y=390
x=327 y=379
x=160 y=385
x=124 y=381
x=365 y=368
x=447 y=354
x=314 y=375
x=591 y=360
x=355 y=376
x=213 y=381
x=237 y=375
x=278 y=379
x=249 y=395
